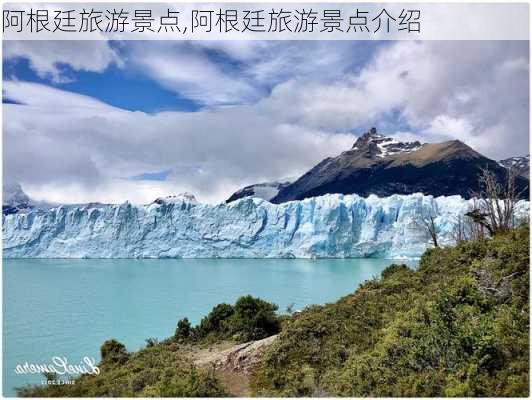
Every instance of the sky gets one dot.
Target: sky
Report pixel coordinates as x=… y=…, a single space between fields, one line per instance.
x=113 y=121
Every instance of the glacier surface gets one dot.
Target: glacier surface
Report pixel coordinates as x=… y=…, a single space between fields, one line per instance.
x=325 y=226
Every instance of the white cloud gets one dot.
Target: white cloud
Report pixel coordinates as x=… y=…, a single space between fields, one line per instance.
x=42 y=96
x=180 y=67
x=216 y=73
x=46 y=57
x=75 y=148
x=87 y=151
x=472 y=91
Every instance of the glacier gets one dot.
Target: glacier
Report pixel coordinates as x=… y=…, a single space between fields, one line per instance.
x=332 y=225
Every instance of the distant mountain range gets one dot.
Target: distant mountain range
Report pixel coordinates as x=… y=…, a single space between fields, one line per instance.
x=376 y=164
x=14 y=199
x=381 y=165
x=265 y=191
x=521 y=164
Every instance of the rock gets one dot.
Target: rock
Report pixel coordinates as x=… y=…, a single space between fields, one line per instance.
x=240 y=358
x=383 y=166
x=521 y=164
x=185 y=197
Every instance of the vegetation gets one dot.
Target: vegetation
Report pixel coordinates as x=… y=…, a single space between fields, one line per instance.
x=160 y=370
x=458 y=326
x=427 y=222
x=494 y=210
x=112 y=351
x=163 y=369
x=249 y=319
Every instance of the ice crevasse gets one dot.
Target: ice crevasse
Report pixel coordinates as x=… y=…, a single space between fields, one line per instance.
x=179 y=227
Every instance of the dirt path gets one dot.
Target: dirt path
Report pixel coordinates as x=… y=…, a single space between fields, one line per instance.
x=233 y=363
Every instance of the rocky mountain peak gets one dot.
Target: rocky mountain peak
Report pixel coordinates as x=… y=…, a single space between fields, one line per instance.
x=14 y=199
x=374 y=144
x=521 y=164
x=370 y=136
x=13 y=194
x=181 y=198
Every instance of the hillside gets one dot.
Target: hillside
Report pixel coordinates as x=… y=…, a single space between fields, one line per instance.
x=14 y=199
x=265 y=190
x=457 y=326
x=521 y=164
x=383 y=166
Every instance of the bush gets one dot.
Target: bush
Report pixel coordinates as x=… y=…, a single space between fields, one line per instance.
x=157 y=371
x=150 y=342
x=394 y=269
x=114 y=352
x=183 y=329
x=250 y=318
x=456 y=326
x=254 y=319
x=215 y=321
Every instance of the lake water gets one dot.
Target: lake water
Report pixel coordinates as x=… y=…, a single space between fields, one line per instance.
x=68 y=308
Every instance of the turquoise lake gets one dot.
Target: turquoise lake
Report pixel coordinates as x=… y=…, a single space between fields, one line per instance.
x=68 y=308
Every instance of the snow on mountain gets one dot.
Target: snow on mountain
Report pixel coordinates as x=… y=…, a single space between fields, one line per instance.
x=383 y=166
x=264 y=191
x=326 y=226
x=181 y=198
x=14 y=199
x=522 y=164
x=384 y=146
x=13 y=194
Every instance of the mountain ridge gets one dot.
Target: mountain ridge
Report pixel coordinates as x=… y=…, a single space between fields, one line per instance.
x=521 y=164
x=384 y=166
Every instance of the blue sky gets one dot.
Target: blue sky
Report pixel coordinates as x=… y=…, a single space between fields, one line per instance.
x=116 y=86
x=128 y=87
x=116 y=121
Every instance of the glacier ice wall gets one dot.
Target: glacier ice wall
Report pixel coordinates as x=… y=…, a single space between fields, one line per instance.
x=325 y=226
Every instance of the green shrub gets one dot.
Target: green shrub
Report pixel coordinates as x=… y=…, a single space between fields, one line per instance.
x=250 y=318
x=157 y=371
x=183 y=329
x=456 y=326
x=394 y=269
x=216 y=321
x=113 y=351
x=253 y=319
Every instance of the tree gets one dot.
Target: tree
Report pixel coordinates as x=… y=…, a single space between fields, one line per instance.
x=254 y=318
x=215 y=321
x=466 y=229
x=183 y=329
x=113 y=351
x=495 y=209
x=290 y=308
x=427 y=221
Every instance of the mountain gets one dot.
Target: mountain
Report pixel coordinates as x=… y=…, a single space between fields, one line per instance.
x=265 y=191
x=327 y=226
x=14 y=199
x=181 y=198
x=380 y=165
x=522 y=164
